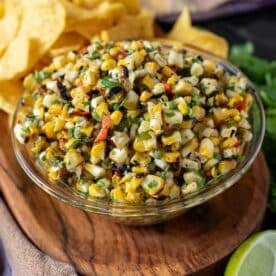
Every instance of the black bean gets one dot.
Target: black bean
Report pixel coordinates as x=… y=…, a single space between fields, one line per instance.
x=121 y=168
x=62 y=90
x=125 y=71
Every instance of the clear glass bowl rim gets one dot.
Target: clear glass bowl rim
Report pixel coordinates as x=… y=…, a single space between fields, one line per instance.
x=132 y=210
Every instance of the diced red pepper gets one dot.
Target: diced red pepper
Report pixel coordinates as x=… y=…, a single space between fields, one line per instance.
x=168 y=88
x=84 y=49
x=80 y=113
x=241 y=106
x=208 y=173
x=120 y=54
x=106 y=124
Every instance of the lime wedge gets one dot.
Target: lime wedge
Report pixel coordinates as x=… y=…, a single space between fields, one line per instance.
x=255 y=257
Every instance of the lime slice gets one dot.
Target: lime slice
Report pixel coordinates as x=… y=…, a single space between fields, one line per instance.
x=255 y=257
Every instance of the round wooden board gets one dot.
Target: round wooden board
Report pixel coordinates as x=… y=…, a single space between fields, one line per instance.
x=97 y=246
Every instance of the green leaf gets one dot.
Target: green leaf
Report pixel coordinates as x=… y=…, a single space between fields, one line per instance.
x=41 y=75
x=108 y=82
x=245 y=49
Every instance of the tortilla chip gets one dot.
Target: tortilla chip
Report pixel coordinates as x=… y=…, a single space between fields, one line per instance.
x=10 y=92
x=141 y=26
x=183 y=22
x=105 y=16
x=67 y=42
x=43 y=21
x=9 y=23
x=15 y=60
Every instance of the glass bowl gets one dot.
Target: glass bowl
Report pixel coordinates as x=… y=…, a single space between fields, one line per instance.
x=146 y=214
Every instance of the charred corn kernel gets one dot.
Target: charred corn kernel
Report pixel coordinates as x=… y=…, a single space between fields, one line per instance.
x=33 y=129
x=108 y=64
x=221 y=99
x=229 y=142
x=140 y=158
x=175 y=137
x=209 y=67
x=146 y=95
x=221 y=114
x=48 y=128
x=226 y=165
x=97 y=153
x=198 y=112
x=175 y=146
x=96 y=191
x=172 y=80
x=206 y=148
x=72 y=159
x=148 y=82
x=183 y=107
x=39 y=145
x=153 y=184
x=139 y=170
x=133 y=184
x=59 y=124
x=118 y=195
x=235 y=100
x=152 y=67
x=183 y=87
x=187 y=124
x=87 y=131
x=102 y=109
x=171 y=157
x=189 y=147
x=116 y=117
x=215 y=140
x=167 y=71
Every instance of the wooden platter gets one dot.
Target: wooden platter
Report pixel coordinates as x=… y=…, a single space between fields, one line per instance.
x=194 y=242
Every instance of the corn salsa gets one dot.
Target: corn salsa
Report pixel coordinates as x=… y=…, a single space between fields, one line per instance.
x=135 y=121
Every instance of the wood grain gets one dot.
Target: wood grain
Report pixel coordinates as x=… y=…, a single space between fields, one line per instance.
x=97 y=246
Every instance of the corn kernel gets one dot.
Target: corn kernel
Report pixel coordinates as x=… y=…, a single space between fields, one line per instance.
x=138 y=170
x=98 y=152
x=59 y=124
x=114 y=51
x=183 y=108
x=146 y=95
x=226 y=166
x=198 y=112
x=175 y=137
x=234 y=100
x=133 y=197
x=133 y=184
x=102 y=109
x=141 y=158
x=48 y=128
x=171 y=157
x=108 y=64
x=96 y=191
x=229 y=142
x=117 y=195
x=167 y=71
x=221 y=99
x=172 y=80
x=148 y=82
x=206 y=148
x=152 y=67
x=87 y=131
x=116 y=117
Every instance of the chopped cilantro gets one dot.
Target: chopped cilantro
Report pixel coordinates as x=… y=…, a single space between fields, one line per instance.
x=41 y=75
x=153 y=184
x=170 y=114
x=108 y=82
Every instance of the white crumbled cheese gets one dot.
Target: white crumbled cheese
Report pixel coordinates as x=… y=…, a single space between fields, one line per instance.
x=20 y=133
x=175 y=58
